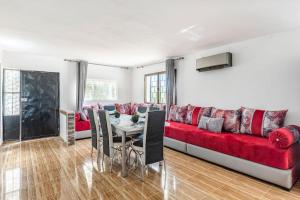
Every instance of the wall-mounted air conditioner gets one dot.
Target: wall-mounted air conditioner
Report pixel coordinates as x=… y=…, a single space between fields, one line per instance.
x=218 y=61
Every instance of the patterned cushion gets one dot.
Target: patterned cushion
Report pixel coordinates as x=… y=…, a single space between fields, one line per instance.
x=123 y=108
x=261 y=122
x=83 y=117
x=194 y=113
x=232 y=119
x=211 y=124
x=177 y=113
x=285 y=137
x=86 y=107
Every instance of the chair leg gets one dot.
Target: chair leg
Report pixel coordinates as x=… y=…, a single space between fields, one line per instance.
x=102 y=158
x=142 y=167
x=165 y=174
x=128 y=157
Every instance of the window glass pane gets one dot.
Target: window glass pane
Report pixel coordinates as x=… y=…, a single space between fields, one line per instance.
x=16 y=104
x=12 y=81
x=155 y=83
x=8 y=107
x=162 y=88
x=101 y=90
x=147 y=88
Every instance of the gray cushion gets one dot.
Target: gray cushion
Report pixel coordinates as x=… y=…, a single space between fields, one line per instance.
x=83 y=116
x=211 y=124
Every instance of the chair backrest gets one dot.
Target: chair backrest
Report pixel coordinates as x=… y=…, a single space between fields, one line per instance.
x=110 y=108
x=106 y=132
x=154 y=137
x=153 y=108
x=142 y=111
x=95 y=128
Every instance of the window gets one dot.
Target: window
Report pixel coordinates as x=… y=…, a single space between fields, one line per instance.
x=101 y=90
x=155 y=88
x=11 y=92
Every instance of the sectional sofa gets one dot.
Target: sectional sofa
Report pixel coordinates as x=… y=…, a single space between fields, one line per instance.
x=252 y=141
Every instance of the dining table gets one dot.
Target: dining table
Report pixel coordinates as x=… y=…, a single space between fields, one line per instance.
x=123 y=126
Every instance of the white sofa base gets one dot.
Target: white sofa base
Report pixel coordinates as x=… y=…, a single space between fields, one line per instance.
x=283 y=178
x=83 y=134
x=175 y=144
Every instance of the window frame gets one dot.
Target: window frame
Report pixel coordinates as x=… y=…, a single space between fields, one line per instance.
x=158 y=86
x=104 y=80
x=4 y=92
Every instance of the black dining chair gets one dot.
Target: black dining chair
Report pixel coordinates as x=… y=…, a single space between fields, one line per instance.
x=142 y=111
x=111 y=109
x=154 y=108
x=111 y=144
x=95 y=130
x=150 y=149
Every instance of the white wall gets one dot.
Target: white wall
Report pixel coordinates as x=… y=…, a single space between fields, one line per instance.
x=122 y=76
x=1 y=52
x=138 y=80
x=265 y=75
x=1 y=131
x=67 y=72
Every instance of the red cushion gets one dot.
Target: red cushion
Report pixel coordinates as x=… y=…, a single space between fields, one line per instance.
x=176 y=131
x=77 y=117
x=256 y=149
x=285 y=137
x=82 y=125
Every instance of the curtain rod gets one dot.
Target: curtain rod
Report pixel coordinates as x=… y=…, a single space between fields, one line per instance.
x=138 y=67
x=99 y=64
x=159 y=62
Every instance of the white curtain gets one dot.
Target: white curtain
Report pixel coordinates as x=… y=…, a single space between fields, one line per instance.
x=81 y=84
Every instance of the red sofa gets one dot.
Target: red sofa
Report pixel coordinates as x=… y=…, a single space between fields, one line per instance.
x=82 y=127
x=251 y=155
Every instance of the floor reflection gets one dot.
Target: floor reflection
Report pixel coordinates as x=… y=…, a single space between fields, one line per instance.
x=47 y=169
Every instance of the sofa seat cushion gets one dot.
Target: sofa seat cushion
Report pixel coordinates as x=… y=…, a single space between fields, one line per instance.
x=177 y=130
x=247 y=147
x=82 y=125
x=255 y=149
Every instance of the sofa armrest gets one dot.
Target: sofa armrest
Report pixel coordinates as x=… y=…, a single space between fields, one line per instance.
x=285 y=137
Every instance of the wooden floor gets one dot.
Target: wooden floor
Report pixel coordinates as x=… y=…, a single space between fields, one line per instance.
x=46 y=169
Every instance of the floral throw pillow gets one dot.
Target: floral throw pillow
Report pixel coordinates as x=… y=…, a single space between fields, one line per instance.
x=194 y=113
x=261 y=122
x=123 y=108
x=232 y=119
x=177 y=113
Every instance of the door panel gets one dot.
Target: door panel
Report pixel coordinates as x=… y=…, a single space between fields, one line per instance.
x=11 y=127
x=39 y=104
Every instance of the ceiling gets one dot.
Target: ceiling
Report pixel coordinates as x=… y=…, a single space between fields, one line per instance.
x=136 y=32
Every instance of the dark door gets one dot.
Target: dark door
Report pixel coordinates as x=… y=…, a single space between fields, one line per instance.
x=39 y=104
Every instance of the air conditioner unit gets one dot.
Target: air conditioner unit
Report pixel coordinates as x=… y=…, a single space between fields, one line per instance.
x=218 y=61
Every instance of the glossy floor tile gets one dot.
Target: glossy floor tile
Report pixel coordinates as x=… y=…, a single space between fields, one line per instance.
x=47 y=169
